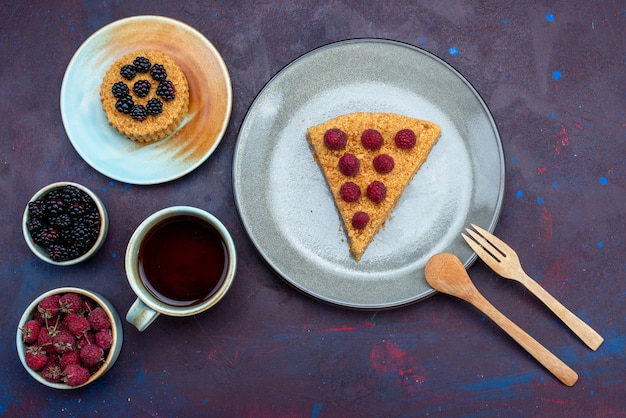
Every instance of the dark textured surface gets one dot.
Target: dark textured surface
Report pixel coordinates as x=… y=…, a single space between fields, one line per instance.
x=553 y=76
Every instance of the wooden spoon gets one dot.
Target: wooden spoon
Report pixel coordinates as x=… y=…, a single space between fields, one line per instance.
x=445 y=273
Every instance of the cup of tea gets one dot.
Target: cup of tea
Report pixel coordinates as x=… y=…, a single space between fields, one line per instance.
x=180 y=261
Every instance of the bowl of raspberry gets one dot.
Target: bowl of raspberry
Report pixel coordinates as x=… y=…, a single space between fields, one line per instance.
x=65 y=223
x=68 y=337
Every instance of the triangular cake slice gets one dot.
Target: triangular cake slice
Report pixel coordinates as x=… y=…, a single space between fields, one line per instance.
x=368 y=160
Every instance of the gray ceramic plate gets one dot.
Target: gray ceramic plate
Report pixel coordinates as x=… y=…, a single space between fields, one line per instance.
x=286 y=206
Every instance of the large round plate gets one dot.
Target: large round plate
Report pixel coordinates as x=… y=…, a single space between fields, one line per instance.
x=286 y=206
x=202 y=129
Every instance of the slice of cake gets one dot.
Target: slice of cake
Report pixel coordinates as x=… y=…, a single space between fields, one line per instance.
x=145 y=96
x=368 y=159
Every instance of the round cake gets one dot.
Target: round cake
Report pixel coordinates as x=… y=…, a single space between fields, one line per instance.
x=145 y=96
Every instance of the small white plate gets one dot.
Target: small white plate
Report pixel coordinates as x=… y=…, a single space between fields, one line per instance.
x=201 y=131
x=284 y=200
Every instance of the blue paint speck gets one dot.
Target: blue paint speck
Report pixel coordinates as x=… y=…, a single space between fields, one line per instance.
x=114 y=255
x=453 y=51
x=556 y=75
x=603 y=181
x=317 y=408
x=513 y=159
x=422 y=42
x=519 y=194
x=600 y=244
x=554 y=184
x=540 y=200
x=550 y=17
x=553 y=115
x=505 y=21
x=111 y=183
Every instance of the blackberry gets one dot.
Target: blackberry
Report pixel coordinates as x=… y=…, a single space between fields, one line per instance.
x=72 y=194
x=55 y=194
x=82 y=237
x=141 y=88
x=55 y=206
x=142 y=64
x=166 y=90
x=92 y=220
x=34 y=225
x=76 y=209
x=125 y=104
x=128 y=72
x=138 y=112
x=158 y=72
x=59 y=252
x=119 y=89
x=154 y=106
x=49 y=236
x=37 y=209
x=62 y=221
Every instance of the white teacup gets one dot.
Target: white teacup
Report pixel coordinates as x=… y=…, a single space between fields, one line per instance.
x=180 y=261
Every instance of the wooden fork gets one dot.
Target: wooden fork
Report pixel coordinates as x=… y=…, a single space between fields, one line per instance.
x=504 y=261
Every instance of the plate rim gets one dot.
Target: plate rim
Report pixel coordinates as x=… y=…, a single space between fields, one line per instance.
x=102 y=31
x=273 y=266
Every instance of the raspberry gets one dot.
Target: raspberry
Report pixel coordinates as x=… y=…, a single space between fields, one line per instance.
x=91 y=355
x=49 y=306
x=36 y=357
x=76 y=375
x=376 y=191
x=77 y=324
x=349 y=165
x=63 y=342
x=71 y=357
x=383 y=163
x=70 y=302
x=104 y=338
x=98 y=319
x=350 y=192
x=371 y=139
x=360 y=220
x=52 y=372
x=44 y=339
x=88 y=337
x=88 y=305
x=30 y=331
x=405 y=139
x=335 y=139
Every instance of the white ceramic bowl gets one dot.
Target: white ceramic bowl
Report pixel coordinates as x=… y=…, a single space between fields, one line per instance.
x=116 y=332
x=40 y=251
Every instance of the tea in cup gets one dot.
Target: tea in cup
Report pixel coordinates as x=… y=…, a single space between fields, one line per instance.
x=180 y=261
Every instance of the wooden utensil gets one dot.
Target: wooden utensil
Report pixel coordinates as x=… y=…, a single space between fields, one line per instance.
x=504 y=261
x=445 y=273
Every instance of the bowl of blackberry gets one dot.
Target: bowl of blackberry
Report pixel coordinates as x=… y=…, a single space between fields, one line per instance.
x=65 y=223
x=69 y=337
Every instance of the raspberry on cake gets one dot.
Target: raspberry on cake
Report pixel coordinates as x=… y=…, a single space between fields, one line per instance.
x=368 y=159
x=145 y=96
